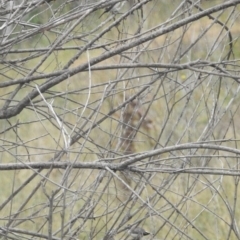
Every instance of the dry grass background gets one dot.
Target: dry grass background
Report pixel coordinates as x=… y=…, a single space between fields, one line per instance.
x=181 y=106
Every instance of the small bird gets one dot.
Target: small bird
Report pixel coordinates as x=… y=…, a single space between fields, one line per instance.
x=114 y=8
x=109 y=236
x=136 y=232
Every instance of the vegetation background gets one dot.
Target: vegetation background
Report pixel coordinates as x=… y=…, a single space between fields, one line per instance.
x=130 y=117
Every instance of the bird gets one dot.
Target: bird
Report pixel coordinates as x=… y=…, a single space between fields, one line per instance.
x=136 y=232
x=114 y=8
x=109 y=236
